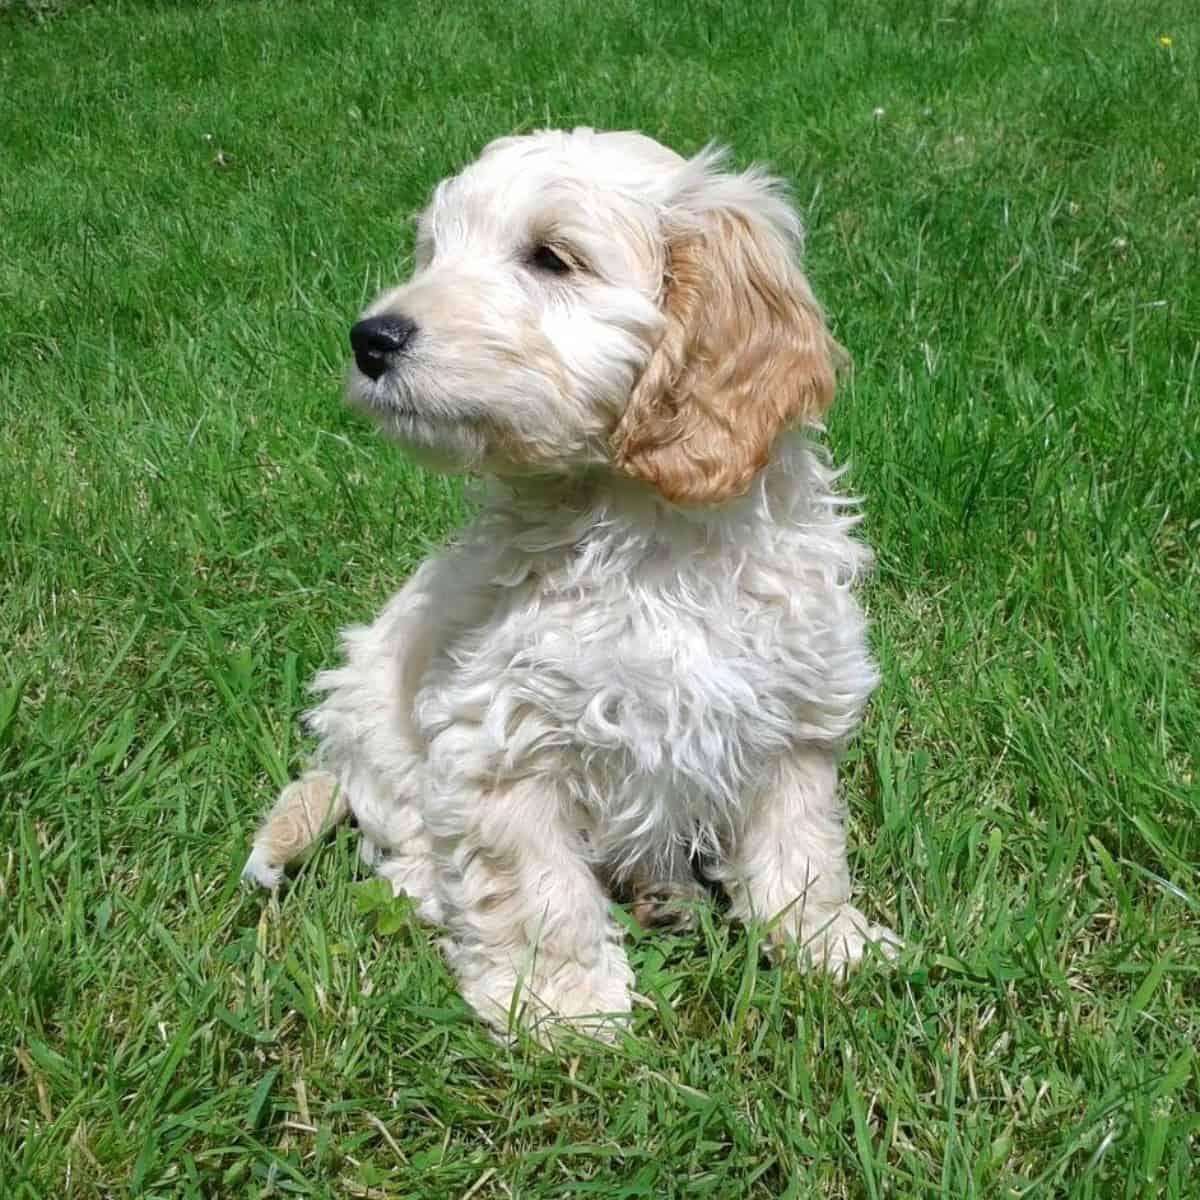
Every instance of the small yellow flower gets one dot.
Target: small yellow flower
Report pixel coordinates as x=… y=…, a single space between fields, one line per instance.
x=1166 y=41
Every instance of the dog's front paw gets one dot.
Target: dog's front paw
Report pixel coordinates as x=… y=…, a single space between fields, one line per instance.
x=840 y=942
x=593 y=1000
x=551 y=996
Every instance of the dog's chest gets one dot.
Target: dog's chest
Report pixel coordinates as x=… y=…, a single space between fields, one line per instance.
x=667 y=682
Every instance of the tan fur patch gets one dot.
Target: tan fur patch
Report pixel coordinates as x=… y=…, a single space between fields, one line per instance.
x=745 y=353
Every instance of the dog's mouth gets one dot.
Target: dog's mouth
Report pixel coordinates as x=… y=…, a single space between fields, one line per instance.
x=379 y=395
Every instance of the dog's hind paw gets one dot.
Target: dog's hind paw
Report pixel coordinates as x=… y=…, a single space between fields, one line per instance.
x=260 y=872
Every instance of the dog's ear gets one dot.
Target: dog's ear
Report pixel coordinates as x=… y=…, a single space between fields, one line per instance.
x=744 y=351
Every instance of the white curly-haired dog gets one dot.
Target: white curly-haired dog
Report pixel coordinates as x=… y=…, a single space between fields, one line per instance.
x=644 y=650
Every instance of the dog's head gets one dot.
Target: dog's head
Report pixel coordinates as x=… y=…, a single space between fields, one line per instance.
x=591 y=300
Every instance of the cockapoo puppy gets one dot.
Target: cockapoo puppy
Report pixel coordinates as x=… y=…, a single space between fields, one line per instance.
x=644 y=651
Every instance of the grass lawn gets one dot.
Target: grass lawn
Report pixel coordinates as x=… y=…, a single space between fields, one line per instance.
x=1004 y=207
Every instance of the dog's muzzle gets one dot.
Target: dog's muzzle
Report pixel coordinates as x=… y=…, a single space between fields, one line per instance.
x=377 y=339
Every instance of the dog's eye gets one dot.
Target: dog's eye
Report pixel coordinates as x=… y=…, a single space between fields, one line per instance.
x=545 y=259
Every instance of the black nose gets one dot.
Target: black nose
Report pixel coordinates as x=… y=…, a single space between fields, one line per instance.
x=378 y=337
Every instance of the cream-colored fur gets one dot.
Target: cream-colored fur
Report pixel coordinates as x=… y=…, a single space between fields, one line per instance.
x=645 y=647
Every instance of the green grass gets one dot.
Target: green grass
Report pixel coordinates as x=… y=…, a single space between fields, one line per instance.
x=194 y=202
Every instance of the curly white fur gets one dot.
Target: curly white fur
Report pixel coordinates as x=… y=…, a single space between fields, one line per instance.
x=637 y=652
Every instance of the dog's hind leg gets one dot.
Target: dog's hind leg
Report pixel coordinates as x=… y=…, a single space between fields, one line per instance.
x=663 y=893
x=669 y=905
x=305 y=809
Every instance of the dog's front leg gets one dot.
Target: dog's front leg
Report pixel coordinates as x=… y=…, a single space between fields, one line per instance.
x=530 y=932
x=789 y=866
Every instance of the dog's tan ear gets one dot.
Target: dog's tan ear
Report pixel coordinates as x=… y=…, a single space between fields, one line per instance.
x=744 y=352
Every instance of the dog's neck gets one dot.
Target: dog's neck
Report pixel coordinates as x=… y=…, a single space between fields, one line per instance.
x=545 y=513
